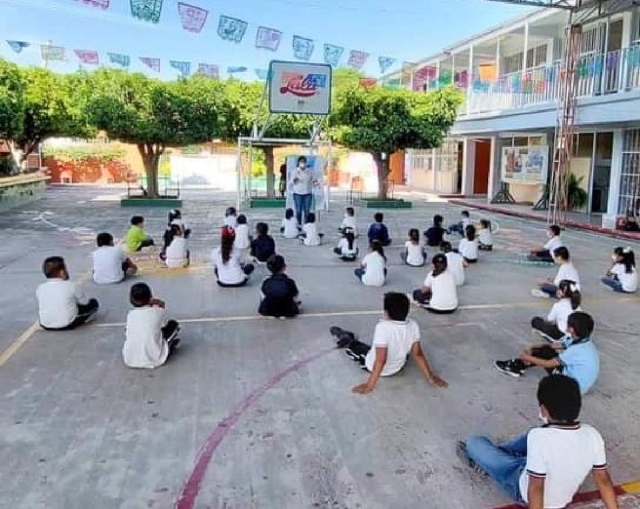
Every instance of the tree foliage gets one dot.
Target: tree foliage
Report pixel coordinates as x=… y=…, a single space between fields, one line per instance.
x=381 y=121
x=11 y=100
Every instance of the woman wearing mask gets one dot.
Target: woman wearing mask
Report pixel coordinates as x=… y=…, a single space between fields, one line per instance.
x=302 y=190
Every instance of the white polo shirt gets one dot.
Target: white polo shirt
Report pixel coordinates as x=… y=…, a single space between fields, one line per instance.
x=229 y=273
x=415 y=253
x=107 y=265
x=553 y=243
x=629 y=281
x=444 y=294
x=177 y=253
x=567 y=271
x=242 y=237
x=559 y=313
x=468 y=249
x=290 y=228
x=455 y=265
x=374 y=271
x=58 y=301
x=312 y=236
x=350 y=222
x=144 y=346
x=397 y=338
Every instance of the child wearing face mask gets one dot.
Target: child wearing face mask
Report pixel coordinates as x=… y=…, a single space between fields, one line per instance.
x=622 y=277
x=545 y=253
x=349 y=221
x=546 y=466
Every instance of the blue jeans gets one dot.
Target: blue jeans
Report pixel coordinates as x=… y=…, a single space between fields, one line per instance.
x=359 y=272
x=504 y=463
x=302 y=203
x=613 y=283
x=456 y=228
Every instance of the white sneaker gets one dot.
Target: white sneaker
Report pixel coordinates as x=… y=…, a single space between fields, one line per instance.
x=539 y=293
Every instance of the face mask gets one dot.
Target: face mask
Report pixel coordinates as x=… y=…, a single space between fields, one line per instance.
x=549 y=234
x=614 y=258
x=544 y=419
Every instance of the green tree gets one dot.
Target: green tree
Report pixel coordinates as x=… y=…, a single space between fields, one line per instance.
x=153 y=114
x=11 y=100
x=381 y=121
x=344 y=78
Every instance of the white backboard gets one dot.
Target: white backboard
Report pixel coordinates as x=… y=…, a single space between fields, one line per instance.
x=299 y=87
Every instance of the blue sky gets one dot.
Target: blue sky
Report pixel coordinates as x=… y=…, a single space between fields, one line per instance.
x=405 y=29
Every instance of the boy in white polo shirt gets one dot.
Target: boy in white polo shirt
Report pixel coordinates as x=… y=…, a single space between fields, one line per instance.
x=566 y=271
x=544 y=468
x=110 y=263
x=395 y=337
x=545 y=253
x=62 y=304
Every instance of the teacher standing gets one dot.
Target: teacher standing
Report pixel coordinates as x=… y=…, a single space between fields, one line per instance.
x=302 y=190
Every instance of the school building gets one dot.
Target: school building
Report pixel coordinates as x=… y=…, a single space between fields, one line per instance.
x=513 y=78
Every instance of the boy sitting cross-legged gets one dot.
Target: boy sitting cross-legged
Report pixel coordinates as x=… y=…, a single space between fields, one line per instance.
x=395 y=337
x=544 y=468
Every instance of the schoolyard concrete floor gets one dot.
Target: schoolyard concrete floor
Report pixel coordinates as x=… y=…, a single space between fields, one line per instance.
x=255 y=413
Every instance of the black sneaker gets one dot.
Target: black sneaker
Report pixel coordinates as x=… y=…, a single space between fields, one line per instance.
x=461 y=452
x=353 y=355
x=344 y=338
x=512 y=367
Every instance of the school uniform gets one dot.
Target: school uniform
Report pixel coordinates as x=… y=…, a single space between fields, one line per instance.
x=148 y=337
x=346 y=253
x=311 y=236
x=349 y=222
x=566 y=271
x=554 y=327
x=442 y=297
x=62 y=305
x=485 y=239
x=109 y=265
x=469 y=250
x=232 y=273
x=455 y=265
x=435 y=236
x=373 y=271
x=621 y=280
x=415 y=255
x=231 y=222
x=279 y=293
x=546 y=254
x=263 y=247
x=242 y=241
x=177 y=254
x=290 y=229
x=379 y=232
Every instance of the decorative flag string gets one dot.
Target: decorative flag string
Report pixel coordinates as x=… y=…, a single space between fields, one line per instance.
x=183 y=67
x=268 y=38
x=236 y=70
x=18 y=46
x=332 y=54
x=88 y=57
x=302 y=48
x=385 y=63
x=101 y=4
x=49 y=53
x=119 y=59
x=232 y=29
x=209 y=70
x=146 y=10
x=151 y=63
x=193 y=18
x=357 y=59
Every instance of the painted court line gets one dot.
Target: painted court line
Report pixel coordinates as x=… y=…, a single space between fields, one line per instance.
x=18 y=343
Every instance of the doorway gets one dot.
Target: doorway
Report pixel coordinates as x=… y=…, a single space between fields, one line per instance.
x=482 y=165
x=601 y=172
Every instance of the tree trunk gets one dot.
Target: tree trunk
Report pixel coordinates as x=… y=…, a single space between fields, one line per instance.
x=271 y=188
x=151 y=158
x=383 y=174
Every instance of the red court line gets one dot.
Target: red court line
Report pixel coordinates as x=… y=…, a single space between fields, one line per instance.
x=191 y=488
x=580 y=498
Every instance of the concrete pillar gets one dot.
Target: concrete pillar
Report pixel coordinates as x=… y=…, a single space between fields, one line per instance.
x=526 y=47
x=495 y=169
x=468 y=166
x=498 y=63
x=435 y=166
x=616 y=172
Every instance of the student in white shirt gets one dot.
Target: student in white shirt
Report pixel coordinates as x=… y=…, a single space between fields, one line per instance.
x=150 y=336
x=554 y=327
x=231 y=217
x=372 y=270
x=61 y=304
x=545 y=253
x=566 y=270
x=455 y=263
x=290 y=228
x=395 y=338
x=414 y=253
x=468 y=246
x=229 y=270
x=485 y=239
x=461 y=226
x=622 y=276
x=349 y=221
x=242 y=242
x=177 y=254
x=175 y=218
x=439 y=293
x=310 y=235
x=545 y=467
x=347 y=249
x=110 y=263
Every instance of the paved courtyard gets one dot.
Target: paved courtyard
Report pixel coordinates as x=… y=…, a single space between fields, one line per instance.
x=255 y=413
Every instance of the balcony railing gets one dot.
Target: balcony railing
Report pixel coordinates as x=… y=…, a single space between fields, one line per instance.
x=597 y=75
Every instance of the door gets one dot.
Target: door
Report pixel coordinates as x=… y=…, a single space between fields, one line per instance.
x=481 y=167
x=601 y=172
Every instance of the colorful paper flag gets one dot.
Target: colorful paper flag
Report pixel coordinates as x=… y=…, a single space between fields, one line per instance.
x=101 y=4
x=151 y=63
x=367 y=83
x=232 y=29
x=209 y=70
x=332 y=54
x=146 y=10
x=268 y=38
x=262 y=74
x=88 y=57
x=183 y=67
x=49 y=52
x=119 y=59
x=193 y=18
x=302 y=48
x=385 y=63
x=237 y=69
x=18 y=46
x=357 y=59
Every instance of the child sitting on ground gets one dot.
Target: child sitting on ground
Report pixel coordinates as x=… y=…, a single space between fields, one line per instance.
x=349 y=221
x=137 y=238
x=231 y=217
x=414 y=253
x=461 y=226
x=468 y=247
x=485 y=239
x=438 y=293
x=62 y=305
x=546 y=466
x=310 y=235
x=622 y=277
x=263 y=246
x=280 y=295
x=395 y=338
x=110 y=263
x=435 y=234
x=229 y=266
x=290 y=228
x=455 y=262
x=575 y=356
x=177 y=254
x=549 y=288
x=242 y=241
x=347 y=249
x=372 y=270
x=175 y=218
x=554 y=327
x=545 y=254
x=150 y=336
x=378 y=231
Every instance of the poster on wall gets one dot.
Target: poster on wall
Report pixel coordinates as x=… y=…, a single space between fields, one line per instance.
x=525 y=165
x=315 y=166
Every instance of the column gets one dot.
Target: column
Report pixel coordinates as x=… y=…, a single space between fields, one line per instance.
x=498 y=63
x=526 y=48
x=495 y=169
x=468 y=166
x=435 y=167
x=616 y=172
x=469 y=77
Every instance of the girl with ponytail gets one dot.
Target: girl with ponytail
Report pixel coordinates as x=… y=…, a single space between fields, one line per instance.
x=554 y=326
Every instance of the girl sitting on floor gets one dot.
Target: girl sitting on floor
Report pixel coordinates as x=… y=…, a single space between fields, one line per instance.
x=310 y=235
x=347 y=249
x=623 y=276
x=554 y=327
x=290 y=228
x=228 y=268
x=468 y=247
x=372 y=271
x=414 y=254
x=438 y=293
x=485 y=239
x=280 y=295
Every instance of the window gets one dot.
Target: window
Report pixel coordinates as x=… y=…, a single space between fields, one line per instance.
x=537 y=56
x=630 y=174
